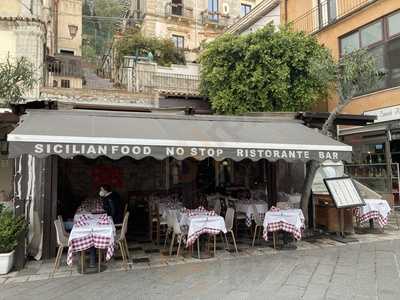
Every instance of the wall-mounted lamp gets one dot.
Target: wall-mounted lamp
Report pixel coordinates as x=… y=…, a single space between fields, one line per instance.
x=73 y=30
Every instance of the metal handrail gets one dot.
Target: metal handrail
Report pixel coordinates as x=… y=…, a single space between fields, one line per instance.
x=321 y=15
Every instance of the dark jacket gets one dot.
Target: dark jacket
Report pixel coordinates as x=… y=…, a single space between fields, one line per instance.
x=113 y=207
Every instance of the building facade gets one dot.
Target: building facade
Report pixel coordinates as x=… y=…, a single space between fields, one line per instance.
x=266 y=12
x=190 y=23
x=345 y=26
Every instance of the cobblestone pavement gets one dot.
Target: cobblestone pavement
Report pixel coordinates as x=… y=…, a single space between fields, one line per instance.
x=367 y=270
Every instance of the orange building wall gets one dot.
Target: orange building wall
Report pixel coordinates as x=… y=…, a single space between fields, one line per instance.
x=330 y=38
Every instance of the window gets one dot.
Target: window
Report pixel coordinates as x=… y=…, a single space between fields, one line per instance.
x=326 y=12
x=350 y=43
x=382 y=39
x=371 y=34
x=244 y=9
x=68 y=52
x=177 y=7
x=179 y=41
x=65 y=83
x=213 y=10
x=394 y=24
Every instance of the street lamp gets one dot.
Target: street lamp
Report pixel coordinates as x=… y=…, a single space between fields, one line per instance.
x=73 y=29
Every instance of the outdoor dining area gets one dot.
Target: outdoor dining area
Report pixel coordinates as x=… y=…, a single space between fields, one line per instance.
x=195 y=232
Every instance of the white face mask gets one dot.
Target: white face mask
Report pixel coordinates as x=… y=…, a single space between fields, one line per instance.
x=102 y=193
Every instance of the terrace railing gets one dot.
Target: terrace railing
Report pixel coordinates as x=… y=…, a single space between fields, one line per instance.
x=214 y=18
x=147 y=82
x=327 y=13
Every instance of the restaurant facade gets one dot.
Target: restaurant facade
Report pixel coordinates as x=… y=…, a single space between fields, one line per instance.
x=62 y=157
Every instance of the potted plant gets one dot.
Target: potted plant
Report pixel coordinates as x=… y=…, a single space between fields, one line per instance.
x=10 y=229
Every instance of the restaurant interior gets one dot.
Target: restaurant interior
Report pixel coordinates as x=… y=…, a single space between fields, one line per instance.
x=188 y=183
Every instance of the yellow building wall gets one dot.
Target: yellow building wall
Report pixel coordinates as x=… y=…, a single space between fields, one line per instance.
x=70 y=13
x=329 y=37
x=8 y=44
x=10 y=8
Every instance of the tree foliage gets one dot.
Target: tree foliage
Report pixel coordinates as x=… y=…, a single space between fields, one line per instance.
x=17 y=76
x=133 y=42
x=356 y=73
x=268 y=70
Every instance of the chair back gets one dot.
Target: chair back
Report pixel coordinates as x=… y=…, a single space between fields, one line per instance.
x=61 y=238
x=176 y=225
x=124 y=228
x=125 y=208
x=256 y=215
x=59 y=217
x=217 y=207
x=230 y=214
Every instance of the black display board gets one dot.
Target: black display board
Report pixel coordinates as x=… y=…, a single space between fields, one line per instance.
x=344 y=192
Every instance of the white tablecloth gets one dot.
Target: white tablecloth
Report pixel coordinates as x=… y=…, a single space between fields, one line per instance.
x=201 y=224
x=91 y=235
x=246 y=207
x=289 y=220
x=377 y=209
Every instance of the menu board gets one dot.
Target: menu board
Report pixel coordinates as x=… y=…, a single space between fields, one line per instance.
x=344 y=192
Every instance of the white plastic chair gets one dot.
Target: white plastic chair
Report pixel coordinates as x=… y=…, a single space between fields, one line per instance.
x=62 y=241
x=258 y=222
x=229 y=216
x=178 y=233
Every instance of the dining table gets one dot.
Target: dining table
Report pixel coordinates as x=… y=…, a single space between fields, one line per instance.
x=377 y=210
x=246 y=206
x=288 y=220
x=91 y=230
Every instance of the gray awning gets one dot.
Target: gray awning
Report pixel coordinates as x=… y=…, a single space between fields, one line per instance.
x=114 y=134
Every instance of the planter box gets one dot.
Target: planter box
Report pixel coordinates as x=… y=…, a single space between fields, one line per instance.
x=6 y=262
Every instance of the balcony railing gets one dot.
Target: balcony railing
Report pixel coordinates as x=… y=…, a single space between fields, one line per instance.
x=63 y=71
x=179 y=11
x=147 y=81
x=214 y=18
x=327 y=13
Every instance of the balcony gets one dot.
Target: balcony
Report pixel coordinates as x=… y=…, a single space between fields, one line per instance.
x=214 y=18
x=327 y=13
x=178 y=11
x=63 y=71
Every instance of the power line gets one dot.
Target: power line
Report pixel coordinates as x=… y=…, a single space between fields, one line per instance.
x=28 y=8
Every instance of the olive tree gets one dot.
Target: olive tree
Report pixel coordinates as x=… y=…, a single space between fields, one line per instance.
x=355 y=74
x=17 y=76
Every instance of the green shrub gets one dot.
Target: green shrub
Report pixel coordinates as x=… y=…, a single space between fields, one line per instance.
x=10 y=229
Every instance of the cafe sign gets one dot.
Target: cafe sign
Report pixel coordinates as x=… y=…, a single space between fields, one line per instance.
x=67 y=150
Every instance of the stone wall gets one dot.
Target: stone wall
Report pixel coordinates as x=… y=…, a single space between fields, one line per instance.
x=71 y=96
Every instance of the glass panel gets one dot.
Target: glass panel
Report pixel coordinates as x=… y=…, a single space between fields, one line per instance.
x=350 y=43
x=393 y=57
x=371 y=34
x=331 y=10
x=379 y=55
x=244 y=9
x=213 y=10
x=394 y=24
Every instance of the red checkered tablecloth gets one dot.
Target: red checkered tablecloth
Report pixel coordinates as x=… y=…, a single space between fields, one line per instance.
x=289 y=220
x=375 y=209
x=91 y=234
x=201 y=224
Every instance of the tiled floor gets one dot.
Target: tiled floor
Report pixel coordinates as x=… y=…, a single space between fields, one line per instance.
x=148 y=255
